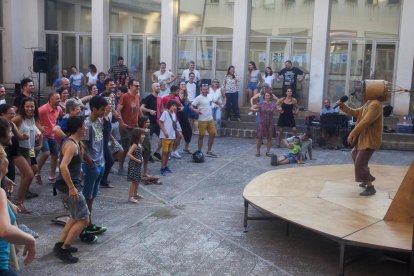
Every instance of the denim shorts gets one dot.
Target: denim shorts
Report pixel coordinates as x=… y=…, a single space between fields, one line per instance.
x=92 y=179
x=252 y=85
x=50 y=144
x=77 y=207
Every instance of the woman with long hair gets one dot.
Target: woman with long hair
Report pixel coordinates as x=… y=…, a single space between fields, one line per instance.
x=182 y=116
x=254 y=77
x=92 y=76
x=100 y=82
x=64 y=95
x=76 y=81
x=231 y=90
x=26 y=122
x=265 y=126
x=288 y=108
x=269 y=77
x=219 y=98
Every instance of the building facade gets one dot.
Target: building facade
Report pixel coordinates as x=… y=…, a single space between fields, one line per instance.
x=337 y=43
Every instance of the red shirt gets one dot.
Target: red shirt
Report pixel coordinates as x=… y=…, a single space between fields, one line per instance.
x=48 y=118
x=168 y=98
x=130 y=109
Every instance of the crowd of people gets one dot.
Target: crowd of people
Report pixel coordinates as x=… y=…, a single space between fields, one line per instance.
x=83 y=136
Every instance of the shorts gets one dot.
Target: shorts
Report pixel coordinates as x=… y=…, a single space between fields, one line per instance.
x=154 y=128
x=33 y=161
x=24 y=152
x=50 y=145
x=126 y=138
x=292 y=157
x=77 y=208
x=116 y=148
x=167 y=145
x=210 y=126
x=252 y=85
x=92 y=179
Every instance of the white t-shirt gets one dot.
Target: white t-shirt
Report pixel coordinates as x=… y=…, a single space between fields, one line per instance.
x=92 y=78
x=204 y=105
x=168 y=124
x=186 y=73
x=3 y=101
x=191 y=91
x=76 y=80
x=163 y=77
x=269 y=80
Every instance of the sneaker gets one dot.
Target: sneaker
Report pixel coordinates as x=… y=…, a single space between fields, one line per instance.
x=138 y=197
x=133 y=200
x=175 y=154
x=88 y=238
x=70 y=249
x=162 y=171
x=27 y=230
x=30 y=195
x=211 y=154
x=250 y=113
x=370 y=190
x=166 y=169
x=39 y=180
x=151 y=159
x=64 y=254
x=363 y=185
x=157 y=155
x=95 y=230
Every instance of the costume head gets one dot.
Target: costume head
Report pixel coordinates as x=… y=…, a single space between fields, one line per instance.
x=373 y=90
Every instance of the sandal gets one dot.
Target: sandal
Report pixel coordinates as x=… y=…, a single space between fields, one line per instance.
x=22 y=209
x=138 y=197
x=187 y=151
x=268 y=154
x=257 y=154
x=52 y=180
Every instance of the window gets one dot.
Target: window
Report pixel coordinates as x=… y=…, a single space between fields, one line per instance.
x=72 y=16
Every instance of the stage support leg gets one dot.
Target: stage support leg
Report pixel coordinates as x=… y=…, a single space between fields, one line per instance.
x=412 y=256
x=341 y=258
x=287 y=228
x=246 y=211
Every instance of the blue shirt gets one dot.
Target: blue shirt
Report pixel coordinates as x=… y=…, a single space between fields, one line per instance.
x=325 y=110
x=5 y=245
x=63 y=124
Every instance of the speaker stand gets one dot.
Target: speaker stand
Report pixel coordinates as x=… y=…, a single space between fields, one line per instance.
x=38 y=90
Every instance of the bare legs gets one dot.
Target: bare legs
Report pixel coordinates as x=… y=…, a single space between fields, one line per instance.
x=72 y=230
x=26 y=176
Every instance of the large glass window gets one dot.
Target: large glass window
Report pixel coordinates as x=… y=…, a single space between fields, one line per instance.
x=282 y=18
x=206 y=17
x=62 y=15
x=139 y=16
x=52 y=49
x=374 y=19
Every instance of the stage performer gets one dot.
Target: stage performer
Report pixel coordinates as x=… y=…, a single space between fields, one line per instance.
x=366 y=137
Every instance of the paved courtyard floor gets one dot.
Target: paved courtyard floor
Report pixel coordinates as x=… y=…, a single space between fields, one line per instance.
x=193 y=224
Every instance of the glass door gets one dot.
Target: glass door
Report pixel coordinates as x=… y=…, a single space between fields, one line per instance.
x=152 y=55
x=337 y=69
x=223 y=58
x=135 y=56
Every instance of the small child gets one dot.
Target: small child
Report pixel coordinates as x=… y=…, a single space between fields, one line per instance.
x=170 y=129
x=144 y=123
x=295 y=150
x=134 y=165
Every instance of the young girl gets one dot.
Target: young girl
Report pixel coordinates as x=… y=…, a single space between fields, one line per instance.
x=134 y=165
x=144 y=123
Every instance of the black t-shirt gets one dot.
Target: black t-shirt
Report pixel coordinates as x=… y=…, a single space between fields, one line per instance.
x=150 y=102
x=19 y=99
x=290 y=76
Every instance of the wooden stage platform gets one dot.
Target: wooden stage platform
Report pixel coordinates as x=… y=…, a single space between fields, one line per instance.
x=326 y=200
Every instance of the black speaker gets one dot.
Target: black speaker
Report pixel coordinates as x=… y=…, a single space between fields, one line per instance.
x=40 y=61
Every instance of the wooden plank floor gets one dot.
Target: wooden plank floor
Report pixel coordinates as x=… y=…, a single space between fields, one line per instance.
x=326 y=200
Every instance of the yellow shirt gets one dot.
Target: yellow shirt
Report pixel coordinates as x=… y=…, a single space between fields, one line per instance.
x=369 y=125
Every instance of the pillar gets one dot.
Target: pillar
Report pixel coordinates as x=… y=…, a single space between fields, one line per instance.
x=319 y=54
x=169 y=30
x=405 y=58
x=241 y=41
x=100 y=38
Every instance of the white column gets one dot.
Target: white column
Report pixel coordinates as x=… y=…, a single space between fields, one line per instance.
x=23 y=34
x=169 y=30
x=320 y=36
x=405 y=58
x=241 y=41
x=100 y=38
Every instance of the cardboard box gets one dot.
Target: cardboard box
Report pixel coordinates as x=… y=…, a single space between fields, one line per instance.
x=405 y=128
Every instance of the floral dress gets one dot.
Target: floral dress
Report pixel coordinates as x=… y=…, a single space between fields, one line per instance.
x=134 y=168
x=266 y=126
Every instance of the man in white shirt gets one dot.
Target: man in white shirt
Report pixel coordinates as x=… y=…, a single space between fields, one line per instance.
x=202 y=106
x=191 y=88
x=2 y=94
x=191 y=69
